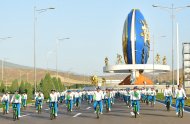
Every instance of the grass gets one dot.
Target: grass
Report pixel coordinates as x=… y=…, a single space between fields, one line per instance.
x=160 y=96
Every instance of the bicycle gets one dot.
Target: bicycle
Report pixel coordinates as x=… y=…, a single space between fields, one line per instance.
x=168 y=104
x=52 y=111
x=107 y=107
x=98 y=111
x=23 y=104
x=180 y=111
x=68 y=106
x=15 y=112
x=39 y=107
x=135 y=108
x=4 y=108
x=152 y=101
x=77 y=104
x=147 y=100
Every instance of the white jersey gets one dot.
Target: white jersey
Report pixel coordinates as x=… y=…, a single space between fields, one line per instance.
x=63 y=93
x=167 y=92
x=180 y=93
x=78 y=94
x=5 y=98
x=53 y=97
x=16 y=98
x=69 y=96
x=135 y=95
x=58 y=94
x=152 y=93
x=143 y=92
x=24 y=96
x=98 y=96
x=107 y=95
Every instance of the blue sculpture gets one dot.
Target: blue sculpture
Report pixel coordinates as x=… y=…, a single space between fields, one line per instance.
x=136 y=38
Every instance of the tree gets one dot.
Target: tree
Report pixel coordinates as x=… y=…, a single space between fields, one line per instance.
x=29 y=90
x=14 y=86
x=2 y=87
x=22 y=87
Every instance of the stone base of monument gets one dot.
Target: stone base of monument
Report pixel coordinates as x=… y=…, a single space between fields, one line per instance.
x=140 y=80
x=136 y=71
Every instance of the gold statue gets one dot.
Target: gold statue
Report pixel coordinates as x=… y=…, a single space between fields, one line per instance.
x=157 y=59
x=94 y=80
x=119 y=59
x=164 y=60
x=103 y=81
x=106 y=61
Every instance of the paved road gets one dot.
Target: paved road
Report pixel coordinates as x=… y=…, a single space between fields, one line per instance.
x=119 y=114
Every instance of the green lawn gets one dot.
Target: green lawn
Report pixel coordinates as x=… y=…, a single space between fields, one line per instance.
x=160 y=96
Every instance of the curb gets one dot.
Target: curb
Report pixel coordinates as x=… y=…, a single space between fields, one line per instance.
x=186 y=108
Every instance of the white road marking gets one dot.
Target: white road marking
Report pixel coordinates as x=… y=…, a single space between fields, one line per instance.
x=172 y=107
x=77 y=115
x=46 y=109
x=24 y=115
x=88 y=108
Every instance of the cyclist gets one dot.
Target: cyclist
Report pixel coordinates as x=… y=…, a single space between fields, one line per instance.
x=98 y=96
x=127 y=97
x=135 y=96
x=180 y=97
x=16 y=99
x=6 y=99
x=107 y=97
x=39 y=100
x=168 y=94
x=78 y=96
x=143 y=94
x=153 y=95
x=58 y=95
x=24 y=99
x=63 y=96
x=112 y=96
x=53 y=100
x=148 y=97
x=69 y=98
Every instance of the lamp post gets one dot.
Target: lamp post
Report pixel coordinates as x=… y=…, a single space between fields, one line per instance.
x=35 y=19
x=173 y=10
x=57 y=46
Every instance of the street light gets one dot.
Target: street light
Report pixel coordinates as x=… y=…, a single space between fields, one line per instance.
x=172 y=9
x=57 y=45
x=35 y=18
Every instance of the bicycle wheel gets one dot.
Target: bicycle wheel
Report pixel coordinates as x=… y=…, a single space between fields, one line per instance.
x=68 y=107
x=181 y=112
x=168 y=105
x=135 y=111
x=17 y=115
x=98 y=112
x=4 y=109
x=14 y=115
x=51 y=113
x=38 y=109
x=107 y=108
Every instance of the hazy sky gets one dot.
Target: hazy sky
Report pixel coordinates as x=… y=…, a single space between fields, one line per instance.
x=93 y=26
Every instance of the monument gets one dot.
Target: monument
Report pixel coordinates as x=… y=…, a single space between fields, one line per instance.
x=136 y=49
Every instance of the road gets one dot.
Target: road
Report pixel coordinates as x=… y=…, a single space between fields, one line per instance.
x=119 y=114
